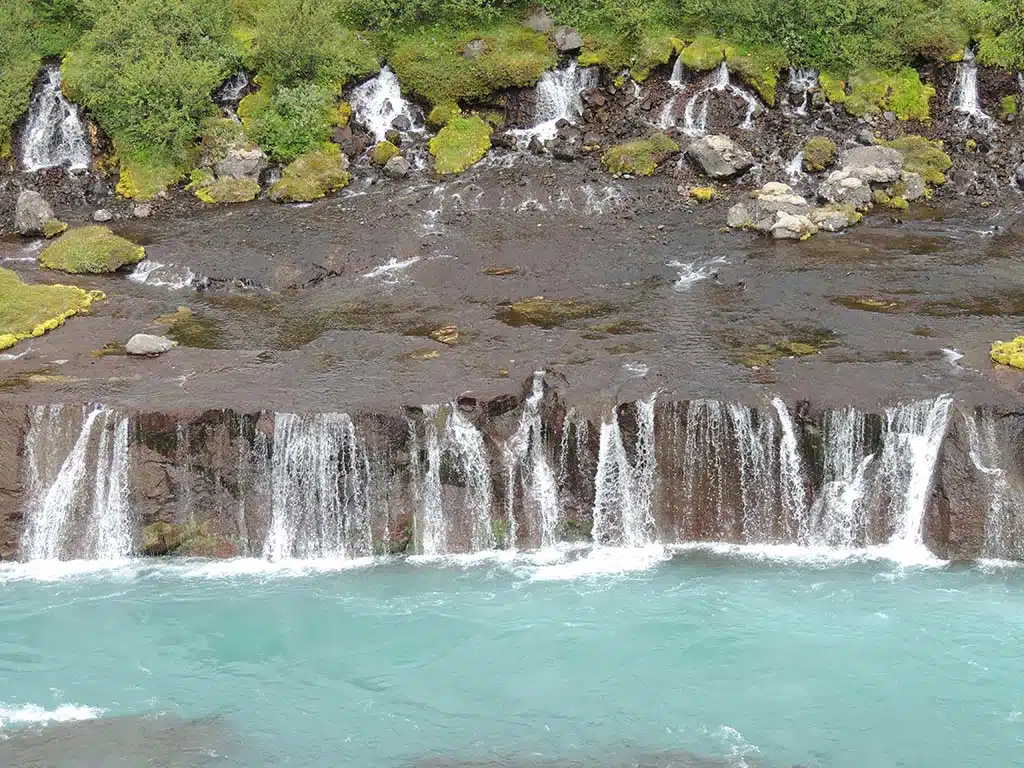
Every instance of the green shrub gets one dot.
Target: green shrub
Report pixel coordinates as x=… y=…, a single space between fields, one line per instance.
x=462 y=142
x=290 y=121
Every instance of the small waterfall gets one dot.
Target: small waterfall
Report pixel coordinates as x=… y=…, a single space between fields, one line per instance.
x=157 y=274
x=757 y=455
x=795 y=168
x=529 y=476
x=912 y=438
x=695 y=116
x=320 y=476
x=802 y=82
x=623 y=489
x=704 y=468
x=54 y=135
x=675 y=82
x=455 y=455
x=378 y=102
x=64 y=509
x=559 y=96
x=791 y=475
x=964 y=95
x=1004 y=523
x=839 y=520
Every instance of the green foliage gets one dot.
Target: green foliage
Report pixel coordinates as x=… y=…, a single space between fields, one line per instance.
x=924 y=157
x=219 y=136
x=640 y=157
x=819 y=153
x=91 y=250
x=19 y=62
x=290 y=121
x=902 y=92
x=758 y=68
x=462 y=142
x=1008 y=106
x=312 y=176
x=704 y=53
x=442 y=114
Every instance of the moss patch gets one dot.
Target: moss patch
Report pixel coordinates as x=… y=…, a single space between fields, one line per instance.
x=902 y=92
x=549 y=313
x=140 y=180
x=440 y=65
x=53 y=227
x=924 y=157
x=312 y=176
x=227 y=190
x=383 y=152
x=1009 y=352
x=640 y=157
x=765 y=354
x=703 y=53
x=462 y=142
x=91 y=250
x=702 y=194
x=758 y=68
x=819 y=154
x=443 y=114
x=191 y=540
x=1008 y=106
x=32 y=310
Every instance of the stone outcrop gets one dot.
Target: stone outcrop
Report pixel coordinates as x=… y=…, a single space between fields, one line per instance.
x=33 y=216
x=147 y=345
x=719 y=157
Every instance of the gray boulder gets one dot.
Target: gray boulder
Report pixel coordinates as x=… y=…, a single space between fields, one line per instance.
x=845 y=188
x=142 y=210
x=719 y=157
x=911 y=186
x=102 y=215
x=829 y=219
x=1018 y=176
x=876 y=164
x=397 y=168
x=792 y=227
x=568 y=40
x=147 y=344
x=761 y=211
x=242 y=163
x=31 y=214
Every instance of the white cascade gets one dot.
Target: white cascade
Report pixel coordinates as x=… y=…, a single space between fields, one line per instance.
x=378 y=102
x=54 y=134
x=695 y=115
x=170 y=276
x=964 y=95
x=675 y=82
x=319 y=489
x=802 y=82
x=529 y=475
x=912 y=439
x=623 y=488
x=793 y=489
x=757 y=456
x=838 y=518
x=795 y=168
x=559 y=96
x=1004 y=521
x=62 y=500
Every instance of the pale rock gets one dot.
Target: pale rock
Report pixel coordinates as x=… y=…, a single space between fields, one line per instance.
x=102 y=215
x=913 y=186
x=397 y=168
x=719 y=156
x=242 y=163
x=846 y=189
x=568 y=40
x=790 y=227
x=829 y=219
x=31 y=213
x=147 y=344
x=875 y=163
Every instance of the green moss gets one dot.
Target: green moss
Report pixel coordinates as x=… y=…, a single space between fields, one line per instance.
x=91 y=250
x=458 y=145
x=228 y=190
x=383 y=152
x=702 y=194
x=442 y=114
x=703 y=53
x=833 y=86
x=656 y=49
x=924 y=157
x=819 y=153
x=32 y=310
x=902 y=92
x=1008 y=107
x=312 y=176
x=765 y=354
x=53 y=227
x=898 y=202
x=435 y=63
x=880 y=197
x=340 y=114
x=549 y=313
x=1009 y=352
x=758 y=68
x=143 y=180
x=640 y=157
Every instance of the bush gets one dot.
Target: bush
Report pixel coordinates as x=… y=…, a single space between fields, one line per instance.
x=290 y=121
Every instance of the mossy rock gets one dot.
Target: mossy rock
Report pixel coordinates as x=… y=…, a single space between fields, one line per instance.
x=1009 y=352
x=1008 y=106
x=162 y=538
x=758 y=67
x=549 y=313
x=873 y=91
x=833 y=86
x=922 y=156
x=53 y=227
x=312 y=176
x=640 y=157
x=443 y=114
x=819 y=154
x=91 y=250
x=765 y=354
x=27 y=310
x=462 y=142
x=383 y=152
x=703 y=194
x=340 y=114
x=703 y=54
x=141 y=180
x=228 y=190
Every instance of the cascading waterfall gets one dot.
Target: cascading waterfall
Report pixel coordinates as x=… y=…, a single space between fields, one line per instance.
x=67 y=515
x=795 y=168
x=320 y=477
x=791 y=475
x=529 y=477
x=757 y=456
x=964 y=95
x=695 y=116
x=1004 y=522
x=838 y=519
x=623 y=488
x=378 y=103
x=54 y=135
x=559 y=96
x=802 y=82
x=675 y=82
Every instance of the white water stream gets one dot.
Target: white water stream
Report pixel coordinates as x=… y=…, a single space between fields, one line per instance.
x=54 y=135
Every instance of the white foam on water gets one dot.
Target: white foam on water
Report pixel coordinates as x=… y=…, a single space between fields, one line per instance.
x=804 y=555
x=597 y=202
x=603 y=562
x=157 y=274
x=63 y=570
x=33 y=713
x=379 y=101
x=390 y=272
x=695 y=271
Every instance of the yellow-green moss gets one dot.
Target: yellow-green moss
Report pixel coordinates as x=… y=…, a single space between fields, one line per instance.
x=656 y=49
x=228 y=190
x=833 y=86
x=312 y=176
x=703 y=194
x=703 y=53
x=462 y=142
x=1008 y=107
x=91 y=250
x=549 y=313
x=32 y=310
x=442 y=114
x=640 y=157
x=140 y=180
x=383 y=152
x=758 y=68
x=340 y=114
x=902 y=92
x=819 y=153
x=53 y=227
x=433 y=61
x=924 y=157
x=1009 y=352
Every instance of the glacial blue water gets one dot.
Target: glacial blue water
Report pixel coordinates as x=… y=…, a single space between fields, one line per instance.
x=604 y=659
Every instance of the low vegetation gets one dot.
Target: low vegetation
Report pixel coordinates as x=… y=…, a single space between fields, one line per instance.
x=32 y=310
x=462 y=142
x=91 y=250
x=639 y=157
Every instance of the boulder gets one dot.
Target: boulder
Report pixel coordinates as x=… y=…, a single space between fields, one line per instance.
x=832 y=219
x=865 y=137
x=1018 y=176
x=394 y=136
x=142 y=210
x=504 y=140
x=719 y=156
x=33 y=216
x=242 y=163
x=791 y=227
x=762 y=210
x=536 y=146
x=910 y=186
x=875 y=163
x=147 y=344
x=402 y=123
x=739 y=217
x=397 y=168
x=564 y=150
x=568 y=40
x=102 y=215
x=844 y=188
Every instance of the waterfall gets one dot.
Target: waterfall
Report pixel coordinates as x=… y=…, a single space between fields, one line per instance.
x=623 y=489
x=912 y=438
x=704 y=465
x=695 y=115
x=757 y=456
x=838 y=519
x=964 y=95
x=378 y=103
x=64 y=508
x=1004 y=521
x=802 y=81
x=319 y=479
x=791 y=475
x=455 y=448
x=559 y=96
x=54 y=134
x=795 y=168
x=675 y=82
x=529 y=476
